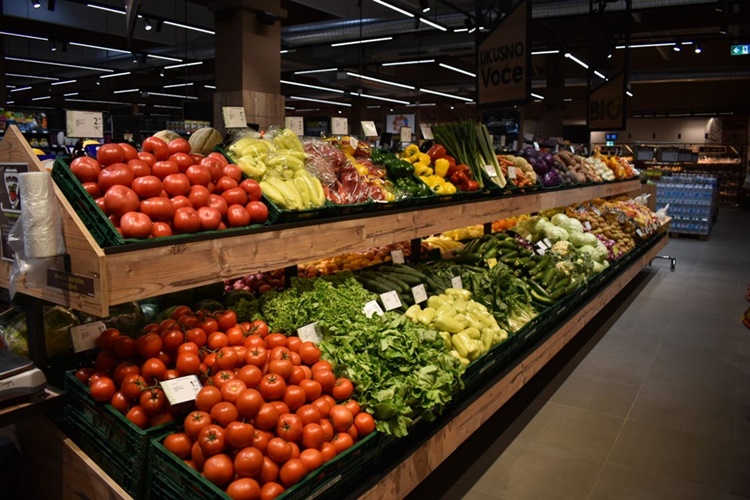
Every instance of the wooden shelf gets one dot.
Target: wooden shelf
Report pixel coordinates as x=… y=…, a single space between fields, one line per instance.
x=405 y=476
x=51 y=398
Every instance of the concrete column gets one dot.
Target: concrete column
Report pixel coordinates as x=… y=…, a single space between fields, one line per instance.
x=552 y=115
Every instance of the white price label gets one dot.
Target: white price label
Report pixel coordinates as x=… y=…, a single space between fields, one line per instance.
x=371 y=308
x=456 y=282
x=541 y=244
x=547 y=243
x=369 y=129
x=515 y=145
x=182 y=389
x=339 y=126
x=234 y=116
x=502 y=141
x=541 y=250
x=419 y=293
x=639 y=232
x=557 y=148
x=391 y=300
x=511 y=172
x=309 y=333
x=426 y=132
x=405 y=134
x=490 y=169
x=353 y=142
x=536 y=145
x=84 y=124
x=587 y=225
x=397 y=256
x=296 y=124
x=85 y=336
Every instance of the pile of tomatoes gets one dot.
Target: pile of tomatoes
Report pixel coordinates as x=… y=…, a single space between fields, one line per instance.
x=164 y=189
x=270 y=410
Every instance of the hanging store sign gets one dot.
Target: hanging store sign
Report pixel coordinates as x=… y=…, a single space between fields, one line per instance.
x=504 y=60
x=607 y=105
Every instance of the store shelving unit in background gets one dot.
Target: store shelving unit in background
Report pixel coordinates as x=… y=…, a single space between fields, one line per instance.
x=131 y=272
x=692 y=202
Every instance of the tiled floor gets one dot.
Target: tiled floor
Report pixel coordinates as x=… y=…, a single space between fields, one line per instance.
x=656 y=405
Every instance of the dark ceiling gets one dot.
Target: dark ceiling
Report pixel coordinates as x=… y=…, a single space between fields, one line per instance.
x=661 y=79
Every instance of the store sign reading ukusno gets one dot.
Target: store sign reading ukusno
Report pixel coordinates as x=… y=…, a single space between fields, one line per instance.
x=504 y=60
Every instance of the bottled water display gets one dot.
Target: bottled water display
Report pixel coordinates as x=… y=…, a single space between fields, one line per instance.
x=690 y=198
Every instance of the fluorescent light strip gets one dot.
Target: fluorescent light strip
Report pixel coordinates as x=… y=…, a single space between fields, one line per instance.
x=10 y=102
x=173 y=95
x=435 y=92
x=20 y=35
x=126 y=91
x=297 y=98
x=540 y=97
x=97 y=102
x=10 y=86
x=309 y=71
x=17 y=75
x=50 y=63
x=308 y=109
x=421 y=105
x=393 y=7
x=600 y=75
x=576 y=60
x=368 y=96
x=646 y=45
x=543 y=52
x=113 y=75
x=164 y=58
x=283 y=51
x=19 y=89
x=629 y=93
x=404 y=63
x=568 y=100
x=460 y=30
x=386 y=82
x=70 y=94
x=355 y=42
x=197 y=63
x=188 y=27
x=64 y=82
x=373 y=107
x=98 y=47
x=327 y=89
x=175 y=85
x=434 y=25
x=164 y=106
x=289 y=108
x=41 y=98
x=457 y=70
x=210 y=86
x=105 y=8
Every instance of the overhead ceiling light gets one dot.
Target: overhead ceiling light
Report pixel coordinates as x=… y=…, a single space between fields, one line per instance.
x=19 y=35
x=164 y=106
x=645 y=45
x=385 y=82
x=175 y=85
x=609 y=56
x=291 y=108
x=458 y=70
x=105 y=8
x=113 y=75
x=310 y=99
x=355 y=42
x=64 y=82
x=178 y=96
x=19 y=89
x=676 y=48
x=147 y=24
x=210 y=86
x=70 y=94
x=600 y=75
x=433 y=24
x=386 y=99
x=10 y=102
x=188 y=27
x=126 y=91
x=34 y=77
x=50 y=63
x=41 y=98
x=424 y=5
x=99 y=47
x=97 y=102
x=567 y=99
x=629 y=93
x=197 y=63
x=460 y=30
x=36 y=4
x=310 y=71
x=421 y=105
x=98 y=82
x=404 y=63
x=135 y=57
x=10 y=86
x=52 y=46
x=435 y=92
x=698 y=48
x=537 y=96
x=164 y=58
x=543 y=52
x=373 y=107
x=307 y=109
x=161 y=73
x=327 y=89
x=568 y=55
x=284 y=51
x=724 y=29
x=393 y=7
x=472 y=30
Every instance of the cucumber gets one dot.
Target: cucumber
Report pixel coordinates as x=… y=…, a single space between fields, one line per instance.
x=560 y=284
x=510 y=255
x=490 y=253
x=383 y=280
x=469 y=258
x=402 y=285
x=406 y=299
x=509 y=243
x=432 y=286
x=409 y=279
x=548 y=275
x=542 y=299
x=376 y=287
x=404 y=269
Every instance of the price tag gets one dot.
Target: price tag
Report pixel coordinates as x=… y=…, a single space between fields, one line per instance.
x=369 y=129
x=490 y=169
x=405 y=134
x=419 y=293
x=84 y=124
x=309 y=333
x=572 y=150
x=234 y=116
x=587 y=225
x=547 y=243
x=502 y=141
x=397 y=256
x=536 y=145
x=391 y=300
x=511 y=172
x=84 y=336
x=182 y=389
x=639 y=232
x=371 y=308
x=491 y=262
x=426 y=132
x=353 y=142
x=296 y=124
x=541 y=244
x=339 y=126
x=541 y=250
x=515 y=145
x=557 y=148
x=456 y=282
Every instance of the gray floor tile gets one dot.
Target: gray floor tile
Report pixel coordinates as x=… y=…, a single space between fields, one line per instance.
x=665 y=451
x=596 y=394
x=742 y=416
x=626 y=369
x=475 y=494
x=618 y=482
x=741 y=471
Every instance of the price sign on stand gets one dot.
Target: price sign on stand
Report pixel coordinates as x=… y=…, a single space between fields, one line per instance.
x=339 y=126
x=296 y=124
x=511 y=172
x=547 y=243
x=502 y=141
x=426 y=132
x=490 y=169
x=391 y=300
x=84 y=336
x=182 y=389
x=234 y=116
x=405 y=134
x=419 y=293
x=456 y=282
x=369 y=129
x=536 y=145
x=371 y=308
x=309 y=333
x=397 y=256
x=84 y=124
x=587 y=225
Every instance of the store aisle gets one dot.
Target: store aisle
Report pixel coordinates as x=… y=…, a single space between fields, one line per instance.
x=654 y=403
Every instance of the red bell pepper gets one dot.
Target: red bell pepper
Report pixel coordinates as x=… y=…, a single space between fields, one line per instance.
x=451 y=160
x=436 y=152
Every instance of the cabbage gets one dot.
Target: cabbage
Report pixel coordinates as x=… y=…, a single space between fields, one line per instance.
x=554 y=233
x=558 y=219
x=572 y=226
x=589 y=250
x=580 y=239
x=601 y=252
x=539 y=229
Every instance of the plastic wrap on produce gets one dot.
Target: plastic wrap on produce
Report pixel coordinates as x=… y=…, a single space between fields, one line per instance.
x=235 y=134
x=342 y=182
x=325 y=160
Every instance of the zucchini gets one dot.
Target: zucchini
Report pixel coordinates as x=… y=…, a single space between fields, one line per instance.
x=542 y=299
x=402 y=285
x=404 y=269
x=548 y=275
x=376 y=287
x=409 y=279
x=490 y=253
x=509 y=243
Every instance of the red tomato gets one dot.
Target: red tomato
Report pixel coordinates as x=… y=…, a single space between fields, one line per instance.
x=183 y=161
x=103 y=389
x=198 y=196
x=248 y=462
x=226 y=319
x=249 y=402
x=162 y=169
x=224 y=413
x=217 y=202
x=227 y=359
x=93 y=189
x=269 y=473
x=258 y=212
x=130 y=151
x=250 y=375
x=197 y=336
x=132 y=385
x=179 y=145
x=240 y=435
x=139 y=167
x=219 y=469
x=197 y=157
x=222 y=377
x=153 y=370
x=214 y=167
x=158 y=208
x=157 y=147
x=244 y=489
x=138 y=417
x=309 y=353
x=312 y=389
x=289 y=427
x=326 y=378
x=294 y=397
x=195 y=422
x=257 y=355
x=198 y=175
x=188 y=363
x=147 y=186
x=353 y=407
x=252 y=188
x=120 y=402
x=211 y=438
x=328 y=430
x=219 y=157
x=83 y=374
x=313 y=436
x=149 y=345
x=115 y=175
x=235 y=196
x=267 y=416
x=309 y=414
x=110 y=153
x=180 y=202
x=186 y=220
x=86 y=169
x=198 y=457
x=275 y=340
x=341 y=418
x=102 y=206
x=210 y=218
x=176 y=184
x=292 y=472
x=225 y=183
x=120 y=199
x=136 y=225
x=282 y=367
x=147 y=157
x=365 y=423
x=124 y=347
x=179 y=443
x=272 y=386
x=233 y=172
x=279 y=450
x=153 y=401
x=107 y=338
x=342 y=389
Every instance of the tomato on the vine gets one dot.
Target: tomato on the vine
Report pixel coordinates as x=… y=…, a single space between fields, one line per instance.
x=195 y=422
x=153 y=401
x=212 y=439
x=272 y=386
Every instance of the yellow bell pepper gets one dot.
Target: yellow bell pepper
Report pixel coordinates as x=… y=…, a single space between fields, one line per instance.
x=422 y=169
x=441 y=167
x=423 y=158
x=411 y=153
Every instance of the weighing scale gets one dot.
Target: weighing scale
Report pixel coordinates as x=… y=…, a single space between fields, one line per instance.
x=19 y=379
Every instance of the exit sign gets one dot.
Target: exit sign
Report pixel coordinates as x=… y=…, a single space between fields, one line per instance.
x=740 y=50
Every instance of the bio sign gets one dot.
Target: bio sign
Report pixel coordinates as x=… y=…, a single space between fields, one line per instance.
x=504 y=60
x=607 y=105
